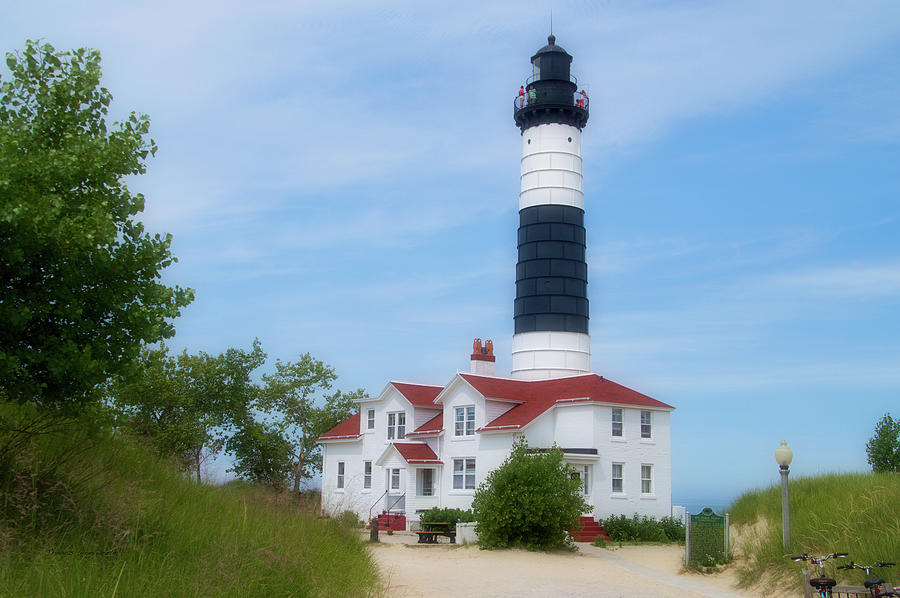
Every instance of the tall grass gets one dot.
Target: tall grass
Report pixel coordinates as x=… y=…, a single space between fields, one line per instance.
x=86 y=514
x=856 y=513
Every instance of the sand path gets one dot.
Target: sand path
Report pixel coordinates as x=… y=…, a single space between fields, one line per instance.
x=437 y=571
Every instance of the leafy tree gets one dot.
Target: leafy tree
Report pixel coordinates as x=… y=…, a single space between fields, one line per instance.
x=261 y=454
x=293 y=393
x=186 y=404
x=883 y=449
x=81 y=291
x=530 y=500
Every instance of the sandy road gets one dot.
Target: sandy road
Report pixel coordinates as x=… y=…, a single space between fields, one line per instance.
x=430 y=571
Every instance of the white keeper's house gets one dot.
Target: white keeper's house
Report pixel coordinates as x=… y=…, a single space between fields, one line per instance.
x=416 y=446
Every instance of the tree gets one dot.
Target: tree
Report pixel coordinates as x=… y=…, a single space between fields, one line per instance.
x=81 y=291
x=293 y=393
x=261 y=454
x=531 y=500
x=187 y=404
x=883 y=449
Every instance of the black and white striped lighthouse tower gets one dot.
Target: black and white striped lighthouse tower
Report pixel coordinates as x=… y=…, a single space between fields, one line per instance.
x=551 y=307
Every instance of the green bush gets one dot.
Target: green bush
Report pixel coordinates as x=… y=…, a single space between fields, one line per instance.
x=530 y=501
x=640 y=528
x=349 y=519
x=451 y=516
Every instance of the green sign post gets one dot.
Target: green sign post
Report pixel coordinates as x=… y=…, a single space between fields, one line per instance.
x=706 y=538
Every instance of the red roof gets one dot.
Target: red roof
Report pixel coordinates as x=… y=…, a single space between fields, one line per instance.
x=416 y=453
x=537 y=396
x=349 y=428
x=432 y=426
x=419 y=394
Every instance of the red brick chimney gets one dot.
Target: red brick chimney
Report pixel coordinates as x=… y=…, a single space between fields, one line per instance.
x=482 y=359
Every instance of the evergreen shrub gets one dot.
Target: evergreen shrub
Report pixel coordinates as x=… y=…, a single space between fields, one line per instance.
x=641 y=528
x=451 y=516
x=529 y=501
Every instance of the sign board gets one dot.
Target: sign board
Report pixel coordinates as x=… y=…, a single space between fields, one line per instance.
x=706 y=538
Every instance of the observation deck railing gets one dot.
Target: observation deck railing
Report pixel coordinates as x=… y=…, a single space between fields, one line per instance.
x=523 y=101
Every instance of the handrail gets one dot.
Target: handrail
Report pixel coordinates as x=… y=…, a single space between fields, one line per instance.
x=395 y=502
x=375 y=503
x=522 y=101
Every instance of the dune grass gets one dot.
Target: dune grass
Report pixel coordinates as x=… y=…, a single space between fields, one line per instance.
x=91 y=513
x=857 y=513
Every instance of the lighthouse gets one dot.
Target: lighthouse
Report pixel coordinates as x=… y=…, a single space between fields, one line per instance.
x=551 y=307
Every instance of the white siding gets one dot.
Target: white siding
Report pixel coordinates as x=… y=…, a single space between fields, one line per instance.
x=494 y=409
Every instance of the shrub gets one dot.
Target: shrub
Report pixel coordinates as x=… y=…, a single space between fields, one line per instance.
x=451 y=516
x=640 y=528
x=530 y=500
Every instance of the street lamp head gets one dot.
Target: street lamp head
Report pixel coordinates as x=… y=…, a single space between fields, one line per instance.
x=784 y=455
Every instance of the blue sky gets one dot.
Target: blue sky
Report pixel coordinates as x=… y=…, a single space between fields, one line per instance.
x=342 y=178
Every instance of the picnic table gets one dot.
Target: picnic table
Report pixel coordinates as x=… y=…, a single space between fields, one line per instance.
x=430 y=532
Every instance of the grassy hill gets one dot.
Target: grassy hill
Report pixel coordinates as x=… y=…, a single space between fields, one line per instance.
x=856 y=513
x=95 y=514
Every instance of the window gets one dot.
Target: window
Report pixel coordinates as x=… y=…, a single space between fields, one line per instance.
x=340 y=474
x=616 y=421
x=617 y=485
x=465 y=421
x=370 y=423
x=395 y=479
x=396 y=425
x=464 y=474
x=646 y=479
x=426 y=482
x=367 y=475
x=583 y=473
x=645 y=424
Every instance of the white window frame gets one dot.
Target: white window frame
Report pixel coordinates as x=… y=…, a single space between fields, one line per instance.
x=620 y=422
x=646 y=478
x=341 y=470
x=396 y=425
x=370 y=419
x=583 y=473
x=463 y=474
x=395 y=476
x=464 y=421
x=648 y=433
x=367 y=475
x=620 y=478
x=426 y=491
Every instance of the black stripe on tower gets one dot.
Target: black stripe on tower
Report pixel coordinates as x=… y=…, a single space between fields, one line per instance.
x=551 y=275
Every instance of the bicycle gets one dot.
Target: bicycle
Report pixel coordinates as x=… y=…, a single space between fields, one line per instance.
x=873 y=584
x=821 y=583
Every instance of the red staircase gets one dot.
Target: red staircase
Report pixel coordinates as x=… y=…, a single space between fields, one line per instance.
x=391 y=521
x=590 y=529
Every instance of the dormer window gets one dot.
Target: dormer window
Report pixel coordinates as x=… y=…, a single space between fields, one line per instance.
x=396 y=425
x=464 y=421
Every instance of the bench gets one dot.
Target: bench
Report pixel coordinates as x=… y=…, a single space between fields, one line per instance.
x=430 y=532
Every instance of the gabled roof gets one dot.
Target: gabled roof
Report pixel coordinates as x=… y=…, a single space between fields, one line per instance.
x=414 y=453
x=347 y=429
x=419 y=394
x=537 y=396
x=417 y=453
x=432 y=426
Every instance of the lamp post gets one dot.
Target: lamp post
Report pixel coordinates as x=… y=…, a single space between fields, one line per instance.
x=783 y=456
